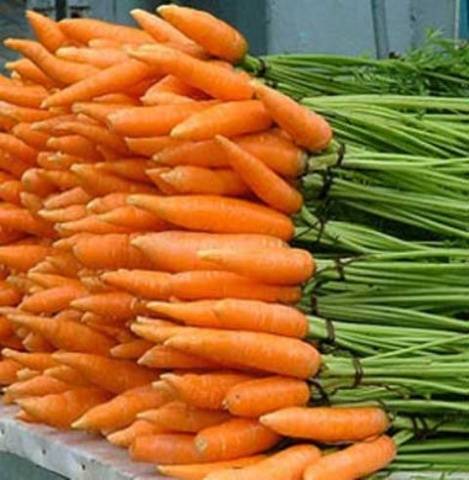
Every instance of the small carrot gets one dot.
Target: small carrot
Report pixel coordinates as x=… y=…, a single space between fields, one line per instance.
x=46 y=30
x=205 y=391
x=49 y=280
x=214 y=35
x=24 y=96
x=164 y=187
x=130 y=168
x=22 y=257
x=26 y=374
x=8 y=370
x=153 y=121
x=177 y=416
x=65 y=263
x=61 y=179
x=307 y=129
x=134 y=219
x=187 y=179
x=17 y=148
x=35 y=343
x=61 y=71
x=264 y=395
x=68 y=335
x=117 y=305
x=107 y=203
x=288 y=464
x=142 y=283
x=33 y=361
x=266 y=184
x=74 y=145
x=199 y=313
x=262 y=351
x=15 y=167
x=67 y=375
x=173 y=84
x=328 y=424
x=167 y=358
x=96 y=111
x=102 y=58
x=83 y=30
x=37 y=387
x=62 y=409
x=90 y=224
x=35 y=182
x=29 y=71
x=121 y=411
x=139 y=428
x=22 y=220
x=115 y=252
x=126 y=374
x=131 y=350
x=67 y=214
x=93 y=283
x=214 y=80
x=165 y=448
x=176 y=251
x=229 y=119
x=356 y=461
x=212 y=213
x=34 y=139
x=9 y=296
x=148 y=146
x=234 y=439
x=159 y=333
x=26 y=114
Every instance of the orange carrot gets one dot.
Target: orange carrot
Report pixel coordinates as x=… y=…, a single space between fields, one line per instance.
x=139 y=428
x=131 y=350
x=26 y=374
x=176 y=251
x=67 y=375
x=15 y=167
x=177 y=416
x=37 y=387
x=48 y=280
x=34 y=139
x=65 y=263
x=102 y=58
x=109 y=80
x=357 y=461
x=264 y=395
x=35 y=182
x=8 y=370
x=25 y=96
x=125 y=374
x=229 y=119
x=116 y=99
x=262 y=351
x=62 y=409
x=22 y=220
x=31 y=202
x=97 y=111
x=187 y=179
x=214 y=35
x=234 y=439
x=216 y=214
x=90 y=224
x=216 y=81
x=142 y=283
x=266 y=184
x=121 y=410
x=82 y=30
x=26 y=114
x=159 y=333
x=6 y=328
x=115 y=252
x=307 y=129
x=46 y=30
x=173 y=84
x=17 y=148
x=22 y=257
x=134 y=219
x=33 y=361
x=59 y=70
x=37 y=343
x=29 y=71
x=62 y=179
x=52 y=300
x=117 y=305
x=328 y=424
x=74 y=145
x=199 y=313
x=107 y=203
x=148 y=146
x=153 y=121
x=163 y=186
x=166 y=99
x=206 y=391
x=67 y=214
x=288 y=464
x=9 y=296
x=165 y=448
x=167 y=358
x=131 y=168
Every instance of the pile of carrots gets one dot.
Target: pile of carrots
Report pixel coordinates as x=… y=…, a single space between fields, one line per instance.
x=148 y=288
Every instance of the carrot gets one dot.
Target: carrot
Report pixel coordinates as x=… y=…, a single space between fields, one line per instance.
x=266 y=184
x=131 y=350
x=36 y=387
x=165 y=448
x=102 y=58
x=130 y=168
x=35 y=182
x=33 y=361
x=176 y=251
x=229 y=119
x=65 y=263
x=48 y=280
x=9 y=296
x=6 y=328
x=277 y=266
x=102 y=183
x=62 y=409
x=24 y=96
x=22 y=257
x=205 y=391
x=148 y=146
x=107 y=203
x=121 y=411
x=17 y=148
x=22 y=220
x=74 y=196
x=93 y=283
x=216 y=214
x=134 y=219
x=115 y=252
x=97 y=111
x=46 y=30
x=264 y=395
x=25 y=114
x=89 y=224
x=74 y=145
x=8 y=370
x=14 y=167
x=199 y=313
x=82 y=30
x=36 y=140
x=67 y=214
x=61 y=179
x=214 y=35
x=60 y=71
x=125 y=374
x=173 y=84
x=117 y=305
x=177 y=416
x=214 y=80
x=166 y=99
x=159 y=333
x=262 y=351
x=328 y=424
x=142 y=283
x=164 y=187
x=26 y=374
x=197 y=180
x=125 y=437
x=67 y=375
x=167 y=358
x=206 y=154
x=356 y=461
x=153 y=121
x=234 y=439
x=52 y=300
x=307 y=129
x=29 y=71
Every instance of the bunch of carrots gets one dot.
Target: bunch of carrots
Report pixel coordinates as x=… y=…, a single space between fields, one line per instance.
x=148 y=290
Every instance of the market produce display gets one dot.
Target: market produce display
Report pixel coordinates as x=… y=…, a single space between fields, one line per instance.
x=234 y=267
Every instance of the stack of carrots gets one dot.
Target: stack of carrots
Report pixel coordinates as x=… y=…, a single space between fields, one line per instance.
x=148 y=288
